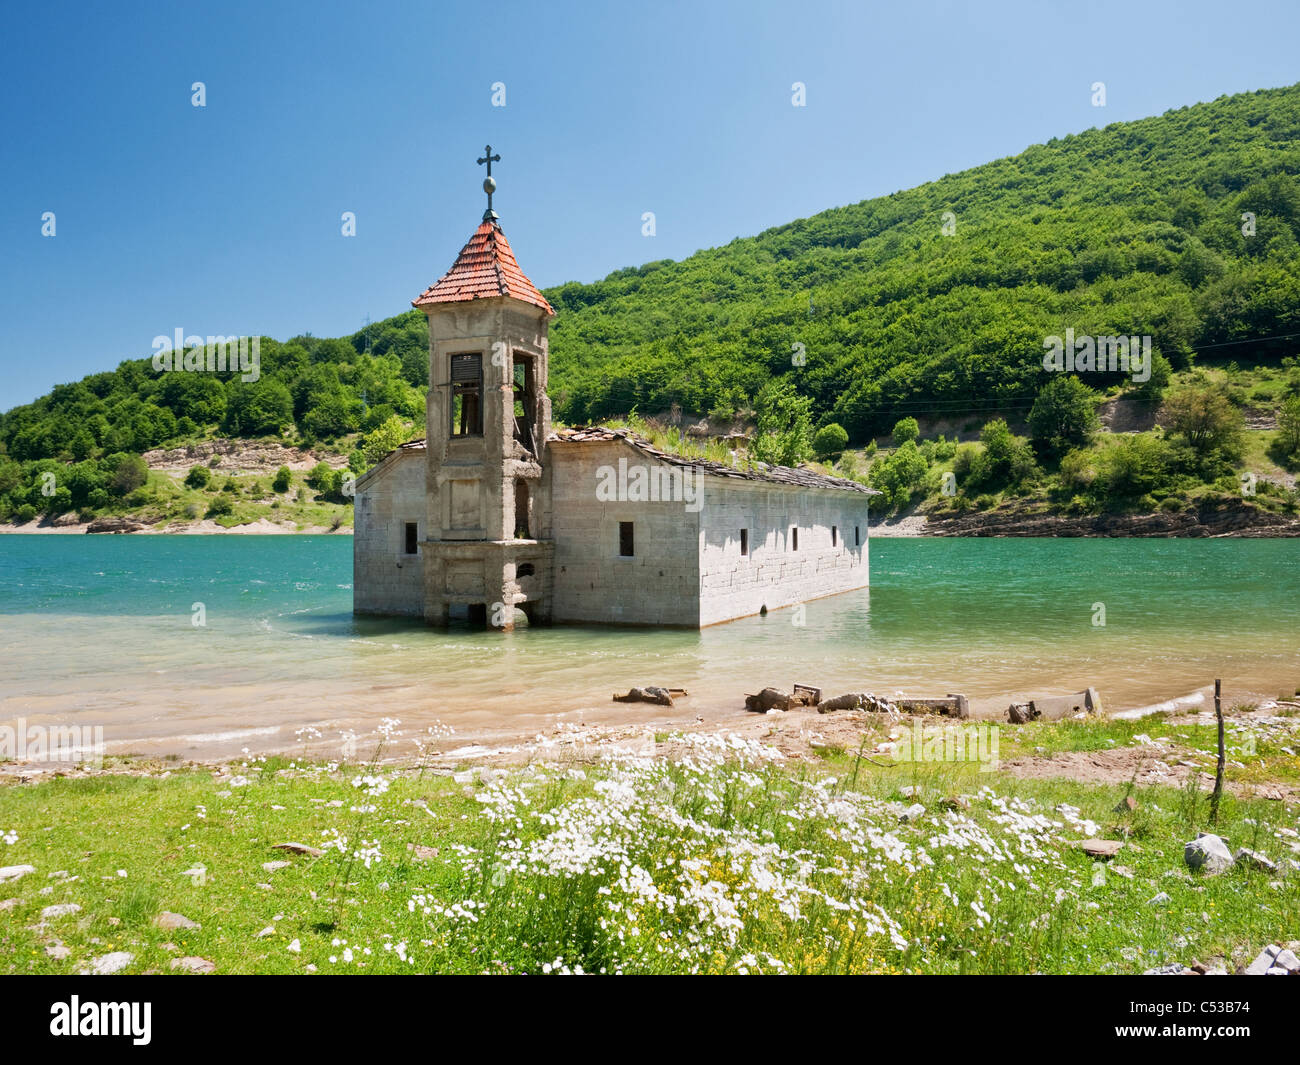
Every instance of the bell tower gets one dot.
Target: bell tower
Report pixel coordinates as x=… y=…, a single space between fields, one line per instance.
x=487 y=550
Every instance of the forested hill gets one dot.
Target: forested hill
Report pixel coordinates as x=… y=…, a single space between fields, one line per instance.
x=1131 y=229
x=1136 y=228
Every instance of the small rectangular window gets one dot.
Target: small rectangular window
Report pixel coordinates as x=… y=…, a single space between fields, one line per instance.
x=625 y=542
x=835 y=535
x=857 y=540
x=466 y=395
x=744 y=541
x=412 y=538
x=794 y=538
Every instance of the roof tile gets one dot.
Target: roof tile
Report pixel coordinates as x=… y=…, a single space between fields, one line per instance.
x=486 y=267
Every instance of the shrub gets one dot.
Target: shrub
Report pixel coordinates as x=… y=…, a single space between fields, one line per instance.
x=783 y=435
x=939 y=450
x=220 y=506
x=283 y=478
x=1288 y=429
x=386 y=436
x=830 y=440
x=1205 y=418
x=1134 y=466
x=129 y=472
x=320 y=477
x=198 y=477
x=1151 y=391
x=905 y=429
x=1007 y=460
x=900 y=475
x=1077 y=471
x=1064 y=416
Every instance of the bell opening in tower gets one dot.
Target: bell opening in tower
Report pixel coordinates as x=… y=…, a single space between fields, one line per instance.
x=466 y=394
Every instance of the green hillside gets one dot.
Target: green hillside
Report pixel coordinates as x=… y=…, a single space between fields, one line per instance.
x=860 y=315
x=1131 y=229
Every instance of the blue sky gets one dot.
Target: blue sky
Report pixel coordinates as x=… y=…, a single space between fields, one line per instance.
x=226 y=219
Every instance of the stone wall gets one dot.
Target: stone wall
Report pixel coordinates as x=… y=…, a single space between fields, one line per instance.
x=774 y=573
x=386 y=580
x=659 y=584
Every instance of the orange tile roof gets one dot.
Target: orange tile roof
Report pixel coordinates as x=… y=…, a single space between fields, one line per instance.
x=485 y=267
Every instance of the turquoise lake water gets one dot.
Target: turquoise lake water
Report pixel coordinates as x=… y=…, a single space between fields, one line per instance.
x=98 y=630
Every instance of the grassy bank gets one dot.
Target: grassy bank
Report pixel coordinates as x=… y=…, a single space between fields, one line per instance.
x=724 y=859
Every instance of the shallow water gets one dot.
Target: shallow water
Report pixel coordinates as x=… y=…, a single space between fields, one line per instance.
x=98 y=630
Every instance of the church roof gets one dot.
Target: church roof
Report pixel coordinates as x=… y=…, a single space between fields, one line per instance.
x=484 y=268
x=794 y=476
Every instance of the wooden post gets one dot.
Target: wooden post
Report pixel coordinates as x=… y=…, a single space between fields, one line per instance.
x=1218 y=775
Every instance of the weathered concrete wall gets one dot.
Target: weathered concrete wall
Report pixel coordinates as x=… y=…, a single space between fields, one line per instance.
x=659 y=584
x=471 y=479
x=774 y=574
x=386 y=580
x=482 y=489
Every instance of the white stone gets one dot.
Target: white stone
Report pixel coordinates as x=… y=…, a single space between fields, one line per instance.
x=15 y=872
x=108 y=964
x=62 y=909
x=1208 y=853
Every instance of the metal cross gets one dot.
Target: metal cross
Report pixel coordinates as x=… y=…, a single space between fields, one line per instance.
x=489 y=186
x=489 y=158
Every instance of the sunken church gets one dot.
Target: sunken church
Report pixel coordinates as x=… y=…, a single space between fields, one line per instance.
x=495 y=513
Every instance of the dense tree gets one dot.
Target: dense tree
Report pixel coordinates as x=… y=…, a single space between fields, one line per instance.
x=258 y=408
x=783 y=435
x=1205 y=417
x=905 y=429
x=1064 y=416
x=830 y=441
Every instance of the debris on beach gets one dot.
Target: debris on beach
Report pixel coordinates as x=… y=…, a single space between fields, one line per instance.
x=1055 y=707
x=858 y=701
x=775 y=699
x=951 y=705
x=651 y=694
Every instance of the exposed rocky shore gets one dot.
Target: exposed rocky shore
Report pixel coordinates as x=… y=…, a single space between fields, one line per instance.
x=1217 y=519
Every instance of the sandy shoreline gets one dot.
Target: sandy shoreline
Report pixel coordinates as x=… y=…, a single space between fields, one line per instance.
x=499 y=738
x=656 y=732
